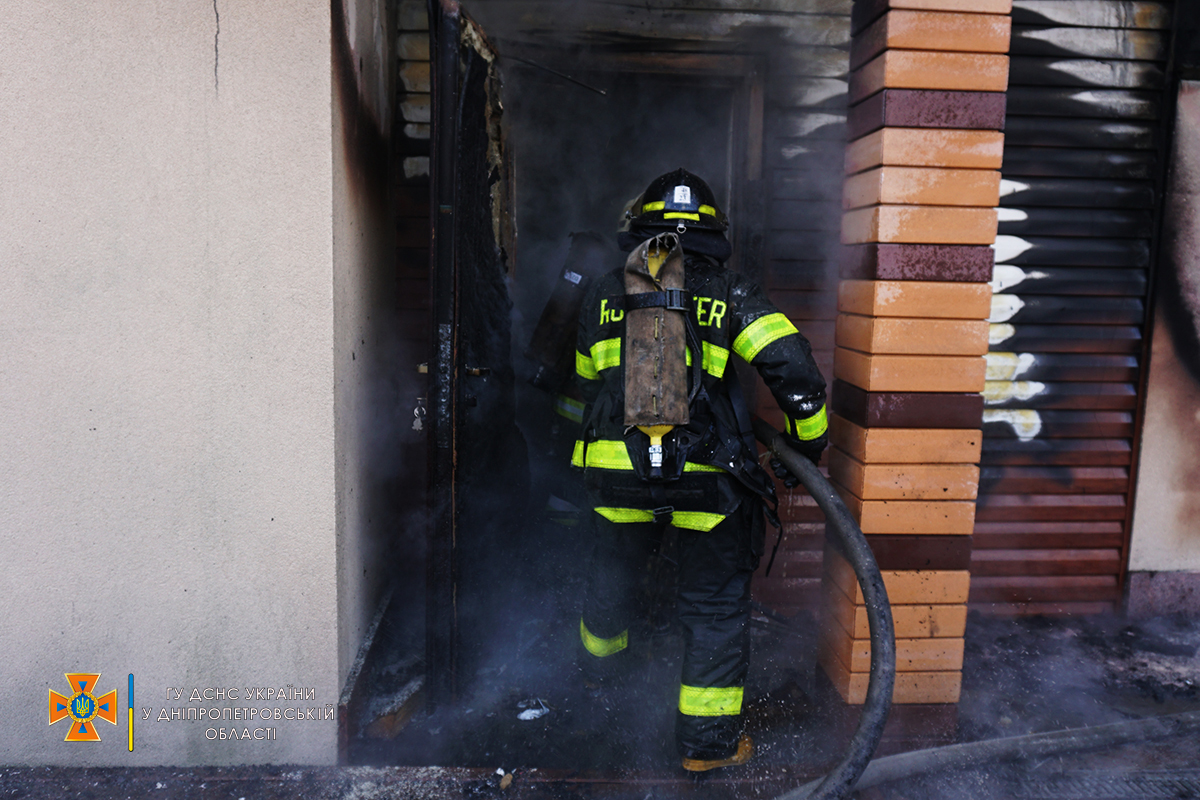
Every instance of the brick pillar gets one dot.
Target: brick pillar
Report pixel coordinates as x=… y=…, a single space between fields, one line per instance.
x=927 y=109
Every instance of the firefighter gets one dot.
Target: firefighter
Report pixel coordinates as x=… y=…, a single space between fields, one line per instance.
x=665 y=441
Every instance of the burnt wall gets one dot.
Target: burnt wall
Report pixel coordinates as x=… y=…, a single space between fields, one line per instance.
x=1165 y=550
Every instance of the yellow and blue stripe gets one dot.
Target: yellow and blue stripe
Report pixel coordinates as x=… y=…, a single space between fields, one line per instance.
x=130 y=693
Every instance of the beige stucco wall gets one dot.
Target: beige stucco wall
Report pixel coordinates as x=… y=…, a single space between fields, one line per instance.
x=167 y=369
x=1166 y=523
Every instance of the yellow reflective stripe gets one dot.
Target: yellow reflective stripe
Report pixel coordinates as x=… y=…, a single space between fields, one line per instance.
x=696 y=520
x=659 y=205
x=613 y=454
x=625 y=514
x=760 y=333
x=699 y=701
x=714 y=360
x=603 y=647
x=585 y=367
x=811 y=427
x=681 y=215
x=607 y=353
x=607 y=454
x=691 y=520
x=569 y=407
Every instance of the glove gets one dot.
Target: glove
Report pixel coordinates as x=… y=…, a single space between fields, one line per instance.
x=810 y=449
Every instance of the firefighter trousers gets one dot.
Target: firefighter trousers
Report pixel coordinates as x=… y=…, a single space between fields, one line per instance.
x=715 y=568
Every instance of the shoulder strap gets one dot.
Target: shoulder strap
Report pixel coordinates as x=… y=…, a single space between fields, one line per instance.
x=670 y=299
x=696 y=345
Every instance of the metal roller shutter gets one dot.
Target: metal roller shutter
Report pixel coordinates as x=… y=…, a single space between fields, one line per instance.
x=1077 y=220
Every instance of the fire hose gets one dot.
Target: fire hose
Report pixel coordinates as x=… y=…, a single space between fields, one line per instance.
x=856 y=769
x=1029 y=746
x=849 y=540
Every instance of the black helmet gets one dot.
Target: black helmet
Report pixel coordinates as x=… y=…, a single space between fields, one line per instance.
x=677 y=199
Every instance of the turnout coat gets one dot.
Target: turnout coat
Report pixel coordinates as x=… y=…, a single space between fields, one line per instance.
x=711 y=463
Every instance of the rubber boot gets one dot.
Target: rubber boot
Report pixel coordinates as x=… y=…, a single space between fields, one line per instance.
x=744 y=752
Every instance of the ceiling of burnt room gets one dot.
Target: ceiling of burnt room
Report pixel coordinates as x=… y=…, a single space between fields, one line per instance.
x=703 y=26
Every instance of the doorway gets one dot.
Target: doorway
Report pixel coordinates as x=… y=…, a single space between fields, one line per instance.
x=559 y=150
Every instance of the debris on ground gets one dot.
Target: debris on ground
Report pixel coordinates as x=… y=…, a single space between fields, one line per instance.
x=1021 y=675
x=533 y=708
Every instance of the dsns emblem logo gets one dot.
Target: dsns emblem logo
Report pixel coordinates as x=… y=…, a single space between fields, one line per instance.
x=82 y=707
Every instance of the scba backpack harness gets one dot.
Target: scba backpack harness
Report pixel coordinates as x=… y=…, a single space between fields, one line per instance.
x=667 y=417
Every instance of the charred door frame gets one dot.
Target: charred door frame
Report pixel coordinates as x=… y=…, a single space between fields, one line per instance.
x=441 y=621
x=470 y=239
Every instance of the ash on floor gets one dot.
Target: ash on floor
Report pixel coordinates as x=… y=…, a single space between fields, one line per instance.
x=1022 y=675
x=1037 y=674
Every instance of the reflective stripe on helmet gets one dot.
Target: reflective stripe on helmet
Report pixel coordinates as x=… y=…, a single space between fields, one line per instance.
x=606 y=354
x=702 y=701
x=760 y=333
x=659 y=205
x=810 y=427
x=603 y=647
x=681 y=215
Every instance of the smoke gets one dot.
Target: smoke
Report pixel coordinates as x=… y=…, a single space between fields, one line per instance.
x=684 y=89
x=1035 y=674
x=754 y=103
x=581 y=157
